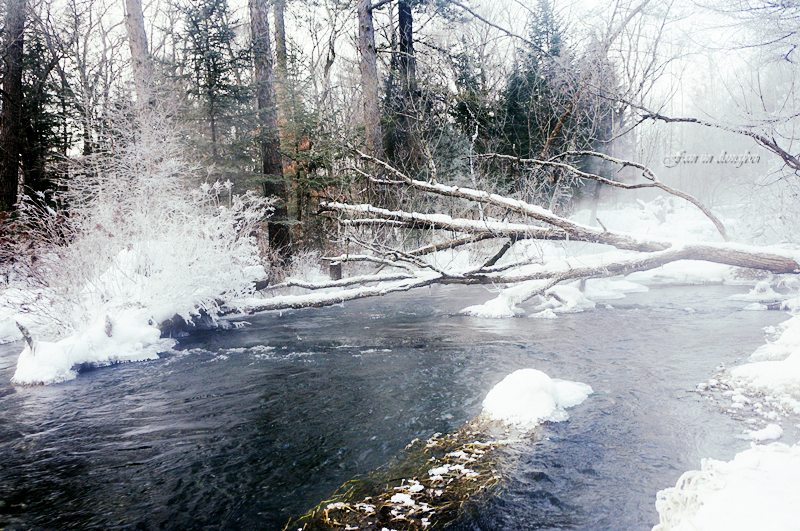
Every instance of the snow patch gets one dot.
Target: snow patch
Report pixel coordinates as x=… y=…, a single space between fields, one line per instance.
x=106 y=341
x=756 y=490
x=770 y=432
x=528 y=397
x=505 y=305
x=565 y=299
x=605 y=288
x=762 y=292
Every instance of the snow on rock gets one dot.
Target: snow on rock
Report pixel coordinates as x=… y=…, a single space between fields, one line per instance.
x=758 y=489
x=502 y=306
x=528 y=397
x=762 y=292
x=791 y=305
x=781 y=378
x=505 y=305
x=774 y=369
x=780 y=349
x=544 y=314
x=129 y=337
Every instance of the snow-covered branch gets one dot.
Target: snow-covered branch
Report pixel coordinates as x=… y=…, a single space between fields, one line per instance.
x=490 y=240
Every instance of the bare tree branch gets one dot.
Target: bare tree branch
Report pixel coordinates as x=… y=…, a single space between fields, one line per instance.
x=769 y=143
x=646 y=172
x=575 y=231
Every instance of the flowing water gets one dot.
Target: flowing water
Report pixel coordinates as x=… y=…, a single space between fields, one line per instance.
x=245 y=428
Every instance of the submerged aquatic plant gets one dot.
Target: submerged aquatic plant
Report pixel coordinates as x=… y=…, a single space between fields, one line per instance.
x=424 y=487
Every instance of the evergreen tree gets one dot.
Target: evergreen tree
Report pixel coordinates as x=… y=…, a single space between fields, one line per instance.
x=547 y=109
x=43 y=121
x=210 y=50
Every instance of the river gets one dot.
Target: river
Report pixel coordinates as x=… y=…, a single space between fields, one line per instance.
x=242 y=429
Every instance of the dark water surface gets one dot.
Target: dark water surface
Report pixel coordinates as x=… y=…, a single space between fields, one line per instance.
x=245 y=428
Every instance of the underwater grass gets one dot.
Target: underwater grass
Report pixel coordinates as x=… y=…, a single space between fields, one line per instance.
x=424 y=487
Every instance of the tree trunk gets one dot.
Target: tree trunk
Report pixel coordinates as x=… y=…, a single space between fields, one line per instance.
x=281 y=63
x=140 y=53
x=269 y=138
x=10 y=141
x=407 y=62
x=287 y=128
x=369 y=80
x=407 y=66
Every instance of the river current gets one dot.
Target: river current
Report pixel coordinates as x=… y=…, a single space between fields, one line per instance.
x=243 y=429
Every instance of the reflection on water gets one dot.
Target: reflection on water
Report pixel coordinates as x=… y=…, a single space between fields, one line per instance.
x=242 y=429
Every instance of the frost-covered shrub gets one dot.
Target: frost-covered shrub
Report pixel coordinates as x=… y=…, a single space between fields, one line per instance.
x=131 y=235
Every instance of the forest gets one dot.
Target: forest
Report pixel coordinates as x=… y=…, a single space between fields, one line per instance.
x=201 y=151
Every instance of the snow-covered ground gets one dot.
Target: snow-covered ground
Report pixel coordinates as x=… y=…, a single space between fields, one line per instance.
x=758 y=489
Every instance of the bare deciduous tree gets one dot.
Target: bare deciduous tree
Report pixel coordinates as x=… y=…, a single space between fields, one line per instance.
x=369 y=77
x=140 y=53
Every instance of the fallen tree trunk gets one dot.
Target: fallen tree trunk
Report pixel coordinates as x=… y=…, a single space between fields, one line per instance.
x=401 y=269
x=572 y=269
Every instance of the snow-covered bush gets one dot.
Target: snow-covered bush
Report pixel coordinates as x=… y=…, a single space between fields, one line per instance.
x=132 y=239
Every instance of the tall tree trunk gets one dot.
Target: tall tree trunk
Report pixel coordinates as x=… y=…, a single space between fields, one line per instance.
x=281 y=63
x=269 y=138
x=140 y=53
x=407 y=62
x=407 y=66
x=369 y=79
x=287 y=129
x=10 y=141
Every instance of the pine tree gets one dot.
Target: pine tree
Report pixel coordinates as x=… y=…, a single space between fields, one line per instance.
x=209 y=38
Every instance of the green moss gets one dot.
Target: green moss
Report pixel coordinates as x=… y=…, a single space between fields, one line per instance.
x=424 y=487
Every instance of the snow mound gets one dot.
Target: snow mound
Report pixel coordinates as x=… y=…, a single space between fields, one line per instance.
x=756 y=490
x=502 y=306
x=787 y=343
x=762 y=292
x=771 y=431
x=105 y=342
x=772 y=377
x=774 y=371
x=505 y=304
x=528 y=397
